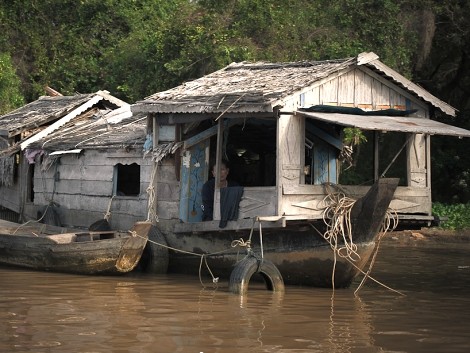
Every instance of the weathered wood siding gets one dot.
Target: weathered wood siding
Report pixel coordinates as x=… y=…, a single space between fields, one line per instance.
x=362 y=88
x=84 y=189
x=359 y=87
x=168 y=189
x=12 y=196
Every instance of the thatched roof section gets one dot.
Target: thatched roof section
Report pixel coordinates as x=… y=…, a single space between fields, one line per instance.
x=241 y=87
x=260 y=87
x=52 y=117
x=40 y=112
x=46 y=110
x=95 y=130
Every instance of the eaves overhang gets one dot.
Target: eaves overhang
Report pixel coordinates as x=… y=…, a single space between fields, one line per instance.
x=388 y=123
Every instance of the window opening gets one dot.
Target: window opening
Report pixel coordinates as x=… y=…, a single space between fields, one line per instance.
x=30 y=185
x=127 y=179
x=361 y=172
x=321 y=149
x=250 y=148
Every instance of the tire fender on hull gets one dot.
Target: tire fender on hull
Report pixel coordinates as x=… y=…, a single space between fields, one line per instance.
x=155 y=257
x=247 y=267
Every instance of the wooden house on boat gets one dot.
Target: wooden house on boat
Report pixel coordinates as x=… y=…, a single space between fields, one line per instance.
x=281 y=127
x=55 y=157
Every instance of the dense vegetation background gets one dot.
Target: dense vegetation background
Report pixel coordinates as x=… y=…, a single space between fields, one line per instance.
x=135 y=48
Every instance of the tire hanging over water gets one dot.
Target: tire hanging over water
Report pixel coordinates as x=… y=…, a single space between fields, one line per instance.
x=247 y=267
x=155 y=257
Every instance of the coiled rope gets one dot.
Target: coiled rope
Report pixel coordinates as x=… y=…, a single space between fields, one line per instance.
x=337 y=218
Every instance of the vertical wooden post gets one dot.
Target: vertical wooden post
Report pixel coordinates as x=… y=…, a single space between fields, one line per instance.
x=154 y=168
x=219 y=153
x=376 y=156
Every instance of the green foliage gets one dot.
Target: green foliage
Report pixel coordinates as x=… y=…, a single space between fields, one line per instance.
x=10 y=89
x=458 y=215
x=136 y=48
x=353 y=136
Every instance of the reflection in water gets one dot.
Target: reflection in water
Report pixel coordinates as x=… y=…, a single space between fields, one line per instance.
x=47 y=312
x=350 y=332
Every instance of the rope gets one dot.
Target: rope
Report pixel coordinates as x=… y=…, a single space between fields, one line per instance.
x=337 y=217
x=107 y=215
x=396 y=156
x=151 y=212
x=203 y=257
x=342 y=224
x=389 y=224
x=240 y=242
x=230 y=106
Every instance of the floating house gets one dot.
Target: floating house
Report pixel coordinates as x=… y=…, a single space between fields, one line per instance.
x=281 y=126
x=295 y=135
x=64 y=157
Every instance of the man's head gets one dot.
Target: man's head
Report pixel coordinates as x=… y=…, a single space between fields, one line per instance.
x=224 y=170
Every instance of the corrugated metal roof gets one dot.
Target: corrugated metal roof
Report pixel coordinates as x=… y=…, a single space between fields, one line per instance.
x=388 y=123
x=259 y=87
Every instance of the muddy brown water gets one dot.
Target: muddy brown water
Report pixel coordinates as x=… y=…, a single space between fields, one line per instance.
x=49 y=312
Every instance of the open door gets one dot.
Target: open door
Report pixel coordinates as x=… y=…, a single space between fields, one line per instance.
x=193 y=175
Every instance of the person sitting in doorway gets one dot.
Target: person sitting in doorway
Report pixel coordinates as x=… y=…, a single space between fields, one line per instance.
x=209 y=187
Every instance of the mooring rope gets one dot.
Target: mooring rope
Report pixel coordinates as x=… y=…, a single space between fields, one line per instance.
x=203 y=257
x=337 y=217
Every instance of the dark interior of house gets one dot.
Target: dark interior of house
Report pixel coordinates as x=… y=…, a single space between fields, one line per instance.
x=250 y=149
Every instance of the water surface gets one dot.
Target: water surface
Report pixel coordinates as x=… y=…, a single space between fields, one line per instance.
x=48 y=312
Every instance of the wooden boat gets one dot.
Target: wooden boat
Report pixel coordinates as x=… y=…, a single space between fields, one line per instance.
x=298 y=249
x=86 y=252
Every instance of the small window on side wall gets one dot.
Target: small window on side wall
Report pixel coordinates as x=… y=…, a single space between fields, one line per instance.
x=126 y=179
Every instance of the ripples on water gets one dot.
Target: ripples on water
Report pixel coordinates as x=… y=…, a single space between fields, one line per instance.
x=47 y=312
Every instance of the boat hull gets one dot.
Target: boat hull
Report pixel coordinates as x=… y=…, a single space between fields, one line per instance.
x=298 y=250
x=303 y=258
x=80 y=253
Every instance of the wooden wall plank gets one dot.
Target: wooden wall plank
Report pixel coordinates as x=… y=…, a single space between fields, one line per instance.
x=363 y=90
x=346 y=89
x=329 y=91
x=312 y=97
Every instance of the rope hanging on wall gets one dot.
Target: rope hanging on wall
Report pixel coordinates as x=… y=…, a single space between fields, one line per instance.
x=151 y=208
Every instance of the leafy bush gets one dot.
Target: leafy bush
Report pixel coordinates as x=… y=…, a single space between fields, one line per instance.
x=458 y=215
x=10 y=85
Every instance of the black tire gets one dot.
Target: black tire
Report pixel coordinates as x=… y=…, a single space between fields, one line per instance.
x=155 y=257
x=100 y=225
x=247 y=267
x=51 y=217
